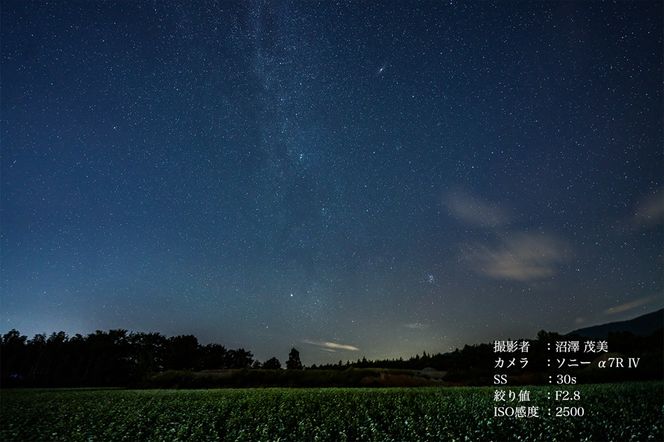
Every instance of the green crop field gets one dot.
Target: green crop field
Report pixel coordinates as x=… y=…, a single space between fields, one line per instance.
x=612 y=412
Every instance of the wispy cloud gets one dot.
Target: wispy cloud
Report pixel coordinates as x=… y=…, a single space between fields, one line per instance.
x=416 y=325
x=520 y=257
x=327 y=345
x=650 y=211
x=628 y=305
x=474 y=210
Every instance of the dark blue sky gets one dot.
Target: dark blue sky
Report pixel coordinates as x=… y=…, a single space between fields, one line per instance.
x=348 y=178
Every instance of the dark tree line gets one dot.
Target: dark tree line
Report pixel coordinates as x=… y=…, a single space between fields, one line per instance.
x=116 y=357
x=474 y=364
x=120 y=358
x=468 y=357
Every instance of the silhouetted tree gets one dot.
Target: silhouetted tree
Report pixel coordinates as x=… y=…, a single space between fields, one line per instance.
x=239 y=358
x=13 y=355
x=294 y=360
x=272 y=364
x=213 y=356
x=182 y=352
x=148 y=352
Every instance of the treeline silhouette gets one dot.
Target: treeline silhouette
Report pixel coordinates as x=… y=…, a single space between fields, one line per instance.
x=475 y=364
x=116 y=357
x=121 y=358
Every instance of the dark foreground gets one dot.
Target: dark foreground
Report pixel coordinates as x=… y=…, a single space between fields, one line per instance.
x=620 y=412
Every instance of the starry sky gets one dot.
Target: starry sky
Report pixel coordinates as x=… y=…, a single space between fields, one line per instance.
x=350 y=178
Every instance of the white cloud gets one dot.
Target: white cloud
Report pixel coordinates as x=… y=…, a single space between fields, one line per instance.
x=520 y=257
x=473 y=210
x=628 y=305
x=327 y=345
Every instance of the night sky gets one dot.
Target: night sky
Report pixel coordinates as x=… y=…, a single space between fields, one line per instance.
x=352 y=179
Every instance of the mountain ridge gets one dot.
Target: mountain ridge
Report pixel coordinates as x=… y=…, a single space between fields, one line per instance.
x=642 y=325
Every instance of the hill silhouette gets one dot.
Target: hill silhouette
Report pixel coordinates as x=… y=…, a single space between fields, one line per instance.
x=643 y=325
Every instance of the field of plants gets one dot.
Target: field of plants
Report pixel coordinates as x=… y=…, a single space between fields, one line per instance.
x=620 y=412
